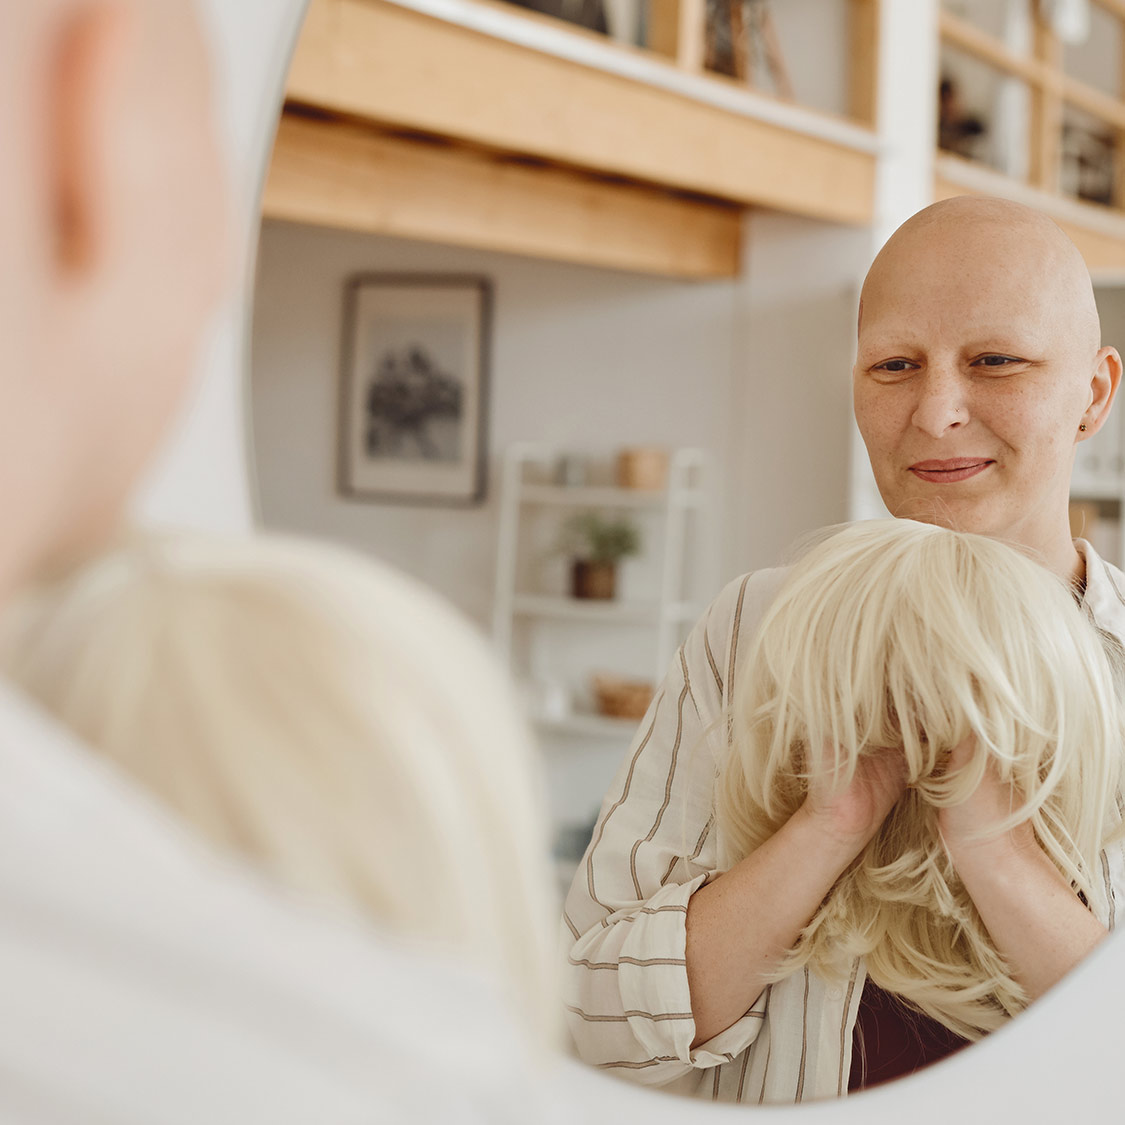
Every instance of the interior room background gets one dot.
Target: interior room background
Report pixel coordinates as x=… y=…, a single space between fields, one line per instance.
x=753 y=369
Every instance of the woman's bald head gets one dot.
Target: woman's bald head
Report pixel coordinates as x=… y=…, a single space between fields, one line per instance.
x=979 y=370
x=995 y=248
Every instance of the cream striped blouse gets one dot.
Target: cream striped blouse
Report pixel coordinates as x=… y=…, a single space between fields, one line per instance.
x=654 y=845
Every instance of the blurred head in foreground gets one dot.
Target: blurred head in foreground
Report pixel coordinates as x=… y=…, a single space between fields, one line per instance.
x=900 y=634
x=113 y=220
x=327 y=718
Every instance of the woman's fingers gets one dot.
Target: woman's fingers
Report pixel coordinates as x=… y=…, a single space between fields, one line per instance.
x=974 y=821
x=856 y=810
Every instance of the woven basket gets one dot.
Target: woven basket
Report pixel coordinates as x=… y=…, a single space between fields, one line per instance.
x=619 y=698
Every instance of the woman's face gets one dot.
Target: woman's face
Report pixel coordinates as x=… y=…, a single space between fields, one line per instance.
x=977 y=363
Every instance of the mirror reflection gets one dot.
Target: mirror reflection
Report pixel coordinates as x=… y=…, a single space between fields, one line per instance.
x=577 y=359
x=574 y=359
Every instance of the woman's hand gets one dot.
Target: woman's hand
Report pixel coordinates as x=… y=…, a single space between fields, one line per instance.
x=968 y=829
x=852 y=816
x=740 y=925
x=1035 y=919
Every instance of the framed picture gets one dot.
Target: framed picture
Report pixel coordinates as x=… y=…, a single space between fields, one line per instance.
x=414 y=389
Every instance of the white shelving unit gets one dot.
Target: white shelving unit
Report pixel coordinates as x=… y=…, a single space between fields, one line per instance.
x=676 y=548
x=614 y=612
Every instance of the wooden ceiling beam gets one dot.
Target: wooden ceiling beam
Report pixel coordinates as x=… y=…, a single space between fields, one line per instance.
x=347 y=175
x=388 y=64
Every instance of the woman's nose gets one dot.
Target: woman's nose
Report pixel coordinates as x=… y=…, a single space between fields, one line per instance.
x=942 y=405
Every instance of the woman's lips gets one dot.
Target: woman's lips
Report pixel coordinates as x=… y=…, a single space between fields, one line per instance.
x=951 y=470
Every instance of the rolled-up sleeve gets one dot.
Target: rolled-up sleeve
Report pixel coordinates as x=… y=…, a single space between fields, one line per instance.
x=654 y=845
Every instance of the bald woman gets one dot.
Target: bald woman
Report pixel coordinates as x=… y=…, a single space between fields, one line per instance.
x=980 y=368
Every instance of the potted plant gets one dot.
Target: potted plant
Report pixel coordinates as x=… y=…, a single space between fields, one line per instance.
x=595 y=543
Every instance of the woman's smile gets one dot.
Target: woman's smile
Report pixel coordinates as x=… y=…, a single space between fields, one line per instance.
x=950 y=470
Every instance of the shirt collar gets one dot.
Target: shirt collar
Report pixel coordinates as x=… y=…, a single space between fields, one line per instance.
x=1104 y=597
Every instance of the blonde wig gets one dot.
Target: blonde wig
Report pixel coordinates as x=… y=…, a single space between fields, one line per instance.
x=895 y=633
x=327 y=717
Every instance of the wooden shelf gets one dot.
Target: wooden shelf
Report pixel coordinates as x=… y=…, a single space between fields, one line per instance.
x=606 y=612
x=607 y=497
x=353 y=176
x=1052 y=90
x=407 y=69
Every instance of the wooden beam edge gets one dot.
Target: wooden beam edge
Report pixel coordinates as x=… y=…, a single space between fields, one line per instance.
x=400 y=68
x=343 y=175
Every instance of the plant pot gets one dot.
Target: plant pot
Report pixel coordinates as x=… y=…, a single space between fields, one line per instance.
x=593 y=579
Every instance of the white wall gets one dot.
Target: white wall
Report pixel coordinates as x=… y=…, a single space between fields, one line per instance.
x=583 y=358
x=809 y=34
x=755 y=371
x=908 y=78
x=792 y=412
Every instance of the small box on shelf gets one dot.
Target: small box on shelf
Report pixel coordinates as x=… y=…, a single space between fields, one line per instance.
x=642 y=467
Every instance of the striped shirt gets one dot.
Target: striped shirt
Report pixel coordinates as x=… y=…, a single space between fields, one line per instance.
x=655 y=844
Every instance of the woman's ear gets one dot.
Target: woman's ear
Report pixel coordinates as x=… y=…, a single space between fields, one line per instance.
x=1103 y=389
x=84 y=120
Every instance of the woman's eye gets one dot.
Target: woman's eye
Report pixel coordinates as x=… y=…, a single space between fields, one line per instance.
x=895 y=365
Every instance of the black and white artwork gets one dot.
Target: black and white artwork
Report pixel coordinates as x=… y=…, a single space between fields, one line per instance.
x=412 y=424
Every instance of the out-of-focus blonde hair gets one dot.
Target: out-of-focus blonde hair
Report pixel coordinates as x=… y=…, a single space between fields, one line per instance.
x=321 y=714
x=896 y=633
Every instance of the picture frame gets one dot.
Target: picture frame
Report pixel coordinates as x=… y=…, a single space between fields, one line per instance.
x=413 y=405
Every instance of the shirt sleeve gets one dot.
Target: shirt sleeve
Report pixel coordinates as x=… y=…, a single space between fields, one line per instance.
x=654 y=845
